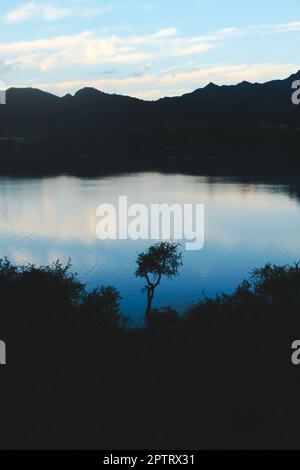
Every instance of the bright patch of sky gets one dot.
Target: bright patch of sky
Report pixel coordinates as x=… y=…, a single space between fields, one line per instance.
x=147 y=49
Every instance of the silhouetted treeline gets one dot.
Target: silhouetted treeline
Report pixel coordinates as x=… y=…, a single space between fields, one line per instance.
x=79 y=376
x=243 y=128
x=230 y=148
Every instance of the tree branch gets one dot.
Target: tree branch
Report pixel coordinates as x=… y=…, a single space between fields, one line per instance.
x=158 y=281
x=148 y=280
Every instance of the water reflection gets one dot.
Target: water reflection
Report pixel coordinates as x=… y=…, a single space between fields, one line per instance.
x=247 y=224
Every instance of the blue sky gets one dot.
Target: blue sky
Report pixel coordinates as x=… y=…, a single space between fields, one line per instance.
x=147 y=49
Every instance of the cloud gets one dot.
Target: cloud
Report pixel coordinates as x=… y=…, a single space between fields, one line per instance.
x=276 y=28
x=83 y=48
x=49 y=11
x=87 y=48
x=164 y=33
x=33 y=10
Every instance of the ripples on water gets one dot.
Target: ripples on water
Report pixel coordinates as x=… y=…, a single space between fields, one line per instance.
x=247 y=225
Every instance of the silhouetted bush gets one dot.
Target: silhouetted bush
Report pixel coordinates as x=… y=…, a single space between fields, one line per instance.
x=78 y=376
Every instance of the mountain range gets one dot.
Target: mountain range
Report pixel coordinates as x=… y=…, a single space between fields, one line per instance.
x=200 y=124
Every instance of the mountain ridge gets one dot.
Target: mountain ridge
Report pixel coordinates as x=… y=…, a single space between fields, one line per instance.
x=209 y=86
x=215 y=128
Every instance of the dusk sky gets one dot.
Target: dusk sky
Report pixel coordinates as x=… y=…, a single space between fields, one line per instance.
x=146 y=49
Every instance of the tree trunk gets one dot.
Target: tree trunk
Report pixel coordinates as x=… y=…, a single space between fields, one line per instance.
x=150 y=295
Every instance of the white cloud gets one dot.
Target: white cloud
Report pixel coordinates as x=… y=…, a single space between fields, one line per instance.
x=83 y=48
x=87 y=49
x=21 y=14
x=277 y=28
x=49 y=11
x=164 y=33
x=33 y=10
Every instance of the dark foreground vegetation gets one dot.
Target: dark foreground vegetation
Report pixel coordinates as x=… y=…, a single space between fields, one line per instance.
x=78 y=376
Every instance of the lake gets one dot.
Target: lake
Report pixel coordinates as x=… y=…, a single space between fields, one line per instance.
x=246 y=226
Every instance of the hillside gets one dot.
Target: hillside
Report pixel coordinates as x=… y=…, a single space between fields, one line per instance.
x=235 y=125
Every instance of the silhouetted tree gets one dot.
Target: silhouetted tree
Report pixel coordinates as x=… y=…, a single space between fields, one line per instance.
x=162 y=259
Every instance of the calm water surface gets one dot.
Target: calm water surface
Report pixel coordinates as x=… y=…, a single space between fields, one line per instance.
x=247 y=225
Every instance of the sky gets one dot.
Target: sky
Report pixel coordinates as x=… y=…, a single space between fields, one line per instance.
x=147 y=49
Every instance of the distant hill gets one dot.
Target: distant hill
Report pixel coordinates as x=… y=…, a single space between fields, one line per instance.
x=36 y=111
x=200 y=124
